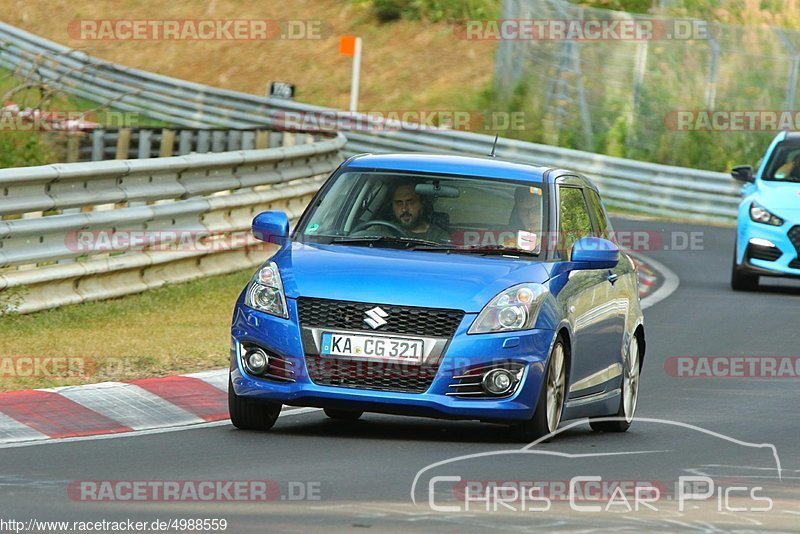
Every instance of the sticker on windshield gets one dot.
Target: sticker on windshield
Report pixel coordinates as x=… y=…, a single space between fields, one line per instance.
x=312 y=228
x=526 y=240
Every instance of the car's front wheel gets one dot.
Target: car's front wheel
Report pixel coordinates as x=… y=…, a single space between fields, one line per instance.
x=550 y=405
x=251 y=414
x=741 y=281
x=629 y=397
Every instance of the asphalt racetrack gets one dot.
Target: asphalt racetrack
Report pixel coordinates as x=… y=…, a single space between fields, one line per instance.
x=709 y=453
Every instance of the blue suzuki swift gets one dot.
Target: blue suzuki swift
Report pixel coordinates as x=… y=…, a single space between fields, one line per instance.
x=442 y=286
x=768 y=235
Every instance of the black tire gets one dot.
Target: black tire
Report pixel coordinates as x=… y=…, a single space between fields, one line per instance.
x=741 y=281
x=251 y=414
x=622 y=421
x=342 y=415
x=540 y=424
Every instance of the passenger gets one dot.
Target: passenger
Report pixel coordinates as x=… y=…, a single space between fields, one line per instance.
x=527 y=212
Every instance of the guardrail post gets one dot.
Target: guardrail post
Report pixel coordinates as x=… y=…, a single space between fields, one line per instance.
x=218 y=141
x=185 y=143
x=234 y=140
x=145 y=143
x=203 y=139
x=248 y=140
x=262 y=139
x=123 y=143
x=98 y=144
x=167 y=143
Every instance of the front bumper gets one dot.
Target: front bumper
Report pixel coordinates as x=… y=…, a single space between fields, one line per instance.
x=282 y=337
x=778 y=235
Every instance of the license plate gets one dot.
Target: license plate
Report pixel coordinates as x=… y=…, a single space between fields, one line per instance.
x=387 y=348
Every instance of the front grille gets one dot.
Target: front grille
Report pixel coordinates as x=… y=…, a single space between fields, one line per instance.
x=794 y=237
x=795 y=264
x=758 y=252
x=344 y=315
x=360 y=374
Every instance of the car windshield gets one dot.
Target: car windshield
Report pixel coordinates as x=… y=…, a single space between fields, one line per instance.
x=428 y=212
x=785 y=164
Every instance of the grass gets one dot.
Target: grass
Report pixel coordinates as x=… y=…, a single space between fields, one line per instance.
x=406 y=65
x=175 y=329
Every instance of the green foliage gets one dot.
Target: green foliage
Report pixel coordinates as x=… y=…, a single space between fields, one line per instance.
x=631 y=6
x=434 y=10
x=21 y=149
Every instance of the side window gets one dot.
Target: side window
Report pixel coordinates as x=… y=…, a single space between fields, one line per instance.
x=573 y=218
x=601 y=225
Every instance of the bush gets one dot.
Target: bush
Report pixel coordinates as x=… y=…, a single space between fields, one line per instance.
x=435 y=10
x=22 y=149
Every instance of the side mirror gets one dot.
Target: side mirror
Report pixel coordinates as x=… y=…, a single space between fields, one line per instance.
x=743 y=173
x=271 y=227
x=595 y=253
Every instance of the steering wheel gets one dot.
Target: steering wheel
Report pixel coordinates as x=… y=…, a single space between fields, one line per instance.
x=396 y=228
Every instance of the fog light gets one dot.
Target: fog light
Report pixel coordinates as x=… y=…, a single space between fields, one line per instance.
x=498 y=381
x=256 y=361
x=762 y=242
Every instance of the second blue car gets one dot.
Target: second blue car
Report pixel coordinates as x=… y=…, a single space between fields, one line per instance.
x=768 y=233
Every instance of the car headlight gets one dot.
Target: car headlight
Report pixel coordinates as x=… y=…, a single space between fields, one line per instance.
x=759 y=214
x=265 y=292
x=512 y=309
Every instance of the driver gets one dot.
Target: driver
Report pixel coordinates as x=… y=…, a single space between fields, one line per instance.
x=789 y=169
x=411 y=213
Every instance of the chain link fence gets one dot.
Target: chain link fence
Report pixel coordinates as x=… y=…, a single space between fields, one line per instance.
x=624 y=97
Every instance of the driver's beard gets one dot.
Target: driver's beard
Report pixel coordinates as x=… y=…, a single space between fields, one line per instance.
x=411 y=224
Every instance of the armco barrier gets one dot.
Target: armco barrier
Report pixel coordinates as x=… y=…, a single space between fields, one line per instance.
x=47 y=212
x=632 y=185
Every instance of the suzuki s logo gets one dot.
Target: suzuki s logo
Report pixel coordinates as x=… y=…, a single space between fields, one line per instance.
x=375 y=317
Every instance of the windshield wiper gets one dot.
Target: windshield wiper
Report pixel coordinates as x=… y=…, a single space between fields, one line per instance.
x=384 y=239
x=484 y=250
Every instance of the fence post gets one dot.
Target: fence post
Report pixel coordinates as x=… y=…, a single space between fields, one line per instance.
x=711 y=88
x=123 y=143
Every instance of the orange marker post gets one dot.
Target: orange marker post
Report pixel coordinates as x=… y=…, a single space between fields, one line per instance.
x=350 y=45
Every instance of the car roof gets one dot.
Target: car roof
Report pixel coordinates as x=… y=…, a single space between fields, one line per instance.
x=486 y=167
x=790 y=136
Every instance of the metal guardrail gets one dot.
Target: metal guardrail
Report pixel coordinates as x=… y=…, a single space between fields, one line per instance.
x=83 y=231
x=636 y=186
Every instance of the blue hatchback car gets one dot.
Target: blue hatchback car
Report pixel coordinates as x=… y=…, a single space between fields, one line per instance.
x=442 y=286
x=768 y=234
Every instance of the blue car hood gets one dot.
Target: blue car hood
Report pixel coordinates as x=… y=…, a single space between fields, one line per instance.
x=401 y=277
x=782 y=199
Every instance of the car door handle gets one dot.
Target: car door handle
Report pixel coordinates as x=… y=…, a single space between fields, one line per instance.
x=612 y=277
